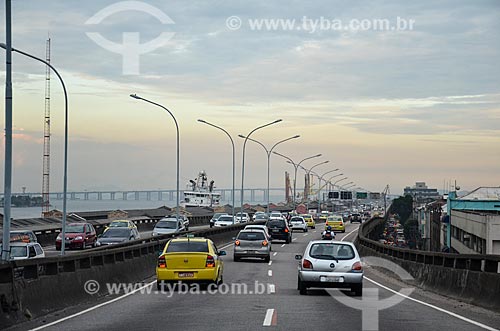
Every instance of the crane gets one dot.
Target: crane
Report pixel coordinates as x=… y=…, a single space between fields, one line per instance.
x=46 y=137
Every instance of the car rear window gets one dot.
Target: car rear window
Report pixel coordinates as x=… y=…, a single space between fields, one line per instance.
x=276 y=224
x=251 y=236
x=187 y=246
x=296 y=219
x=331 y=251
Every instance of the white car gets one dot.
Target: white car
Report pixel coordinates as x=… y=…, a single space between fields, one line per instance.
x=24 y=251
x=276 y=215
x=225 y=220
x=327 y=264
x=257 y=213
x=242 y=218
x=259 y=227
x=298 y=223
x=168 y=225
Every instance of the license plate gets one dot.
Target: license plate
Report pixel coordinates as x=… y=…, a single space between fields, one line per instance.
x=331 y=279
x=186 y=274
x=276 y=230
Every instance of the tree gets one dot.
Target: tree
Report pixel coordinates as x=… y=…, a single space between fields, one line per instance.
x=403 y=206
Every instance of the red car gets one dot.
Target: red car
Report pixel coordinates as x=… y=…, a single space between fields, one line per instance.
x=78 y=235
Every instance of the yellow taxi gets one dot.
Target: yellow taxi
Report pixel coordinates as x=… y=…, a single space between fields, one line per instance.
x=309 y=220
x=336 y=222
x=189 y=260
x=323 y=216
x=121 y=224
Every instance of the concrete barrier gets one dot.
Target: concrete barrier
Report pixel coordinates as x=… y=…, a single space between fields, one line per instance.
x=32 y=288
x=473 y=279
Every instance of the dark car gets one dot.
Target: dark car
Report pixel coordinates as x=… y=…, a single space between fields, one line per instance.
x=117 y=235
x=355 y=217
x=279 y=230
x=78 y=235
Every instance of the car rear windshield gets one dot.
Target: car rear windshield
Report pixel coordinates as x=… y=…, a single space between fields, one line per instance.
x=74 y=228
x=118 y=224
x=296 y=219
x=166 y=225
x=116 y=233
x=331 y=251
x=18 y=251
x=251 y=236
x=225 y=219
x=276 y=224
x=187 y=246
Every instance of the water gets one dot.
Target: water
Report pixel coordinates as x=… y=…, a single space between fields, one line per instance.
x=94 y=205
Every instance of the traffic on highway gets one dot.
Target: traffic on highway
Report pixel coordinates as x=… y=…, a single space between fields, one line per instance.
x=302 y=282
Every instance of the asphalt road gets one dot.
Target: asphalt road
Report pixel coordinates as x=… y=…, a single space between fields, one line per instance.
x=280 y=307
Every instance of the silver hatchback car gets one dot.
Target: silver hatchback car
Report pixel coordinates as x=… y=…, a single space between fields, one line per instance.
x=330 y=264
x=252 y=243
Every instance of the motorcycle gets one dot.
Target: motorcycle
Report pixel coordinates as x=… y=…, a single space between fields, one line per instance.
x=328 y=235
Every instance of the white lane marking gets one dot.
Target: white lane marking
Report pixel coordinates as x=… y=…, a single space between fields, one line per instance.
x=294 y=239
x=269 y=317
x=425 y=303
x=92 y=308
x=270 y=273
x=272 y=288
x=305 y=234
x=283 y=245
x=433 y=307
x=347 y=235
x=275 y=253
x=104 y=303
x=270 y=262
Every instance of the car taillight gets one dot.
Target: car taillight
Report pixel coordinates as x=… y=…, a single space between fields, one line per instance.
x=162 y=262
x=357 y=267
x=286 y=230
x=237 y=242
x=264 y=243
x=306 y=264
x=210 y=262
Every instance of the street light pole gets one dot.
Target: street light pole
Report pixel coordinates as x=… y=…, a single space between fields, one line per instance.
x=7 y=183
x=135 y=96
x=232 y=144
x=65 y=170
x=268 y=152
x=296 y=166
x=308 y=173
x=243 y=159
x=320 y=187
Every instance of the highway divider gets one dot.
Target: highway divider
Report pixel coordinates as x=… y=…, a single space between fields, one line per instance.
x=471 y=278
x=32 y=288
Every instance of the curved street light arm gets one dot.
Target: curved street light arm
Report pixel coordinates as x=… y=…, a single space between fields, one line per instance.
x=135 y=96
x=232 y=144
x=65 y=169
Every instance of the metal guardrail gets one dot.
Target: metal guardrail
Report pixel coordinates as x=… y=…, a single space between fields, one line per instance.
x=472 y=262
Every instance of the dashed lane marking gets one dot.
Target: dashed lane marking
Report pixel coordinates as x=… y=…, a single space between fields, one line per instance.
x=271 y=318
x=270 y=273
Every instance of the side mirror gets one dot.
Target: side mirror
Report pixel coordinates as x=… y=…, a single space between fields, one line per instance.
x=222 y=253
x=298 y=257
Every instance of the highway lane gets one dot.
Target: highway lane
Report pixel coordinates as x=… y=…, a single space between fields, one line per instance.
x=282 y=309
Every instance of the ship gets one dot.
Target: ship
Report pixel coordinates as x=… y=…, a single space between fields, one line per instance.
x=199 y=193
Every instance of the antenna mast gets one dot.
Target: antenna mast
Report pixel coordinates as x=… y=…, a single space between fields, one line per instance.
x=46 y=137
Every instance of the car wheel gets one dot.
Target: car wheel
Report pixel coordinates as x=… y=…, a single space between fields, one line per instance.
x=287 y=240
x=236 y=259
x=159 y=285
x=305 y=230
x=343 y=231
x=267 y=259
x=302 y=287
x=358 y=290
x=314 y=227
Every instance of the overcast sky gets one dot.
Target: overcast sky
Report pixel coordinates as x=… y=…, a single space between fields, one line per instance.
x=386 y=106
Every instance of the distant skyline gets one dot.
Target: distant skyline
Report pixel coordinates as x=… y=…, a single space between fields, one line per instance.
x=383 y=106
